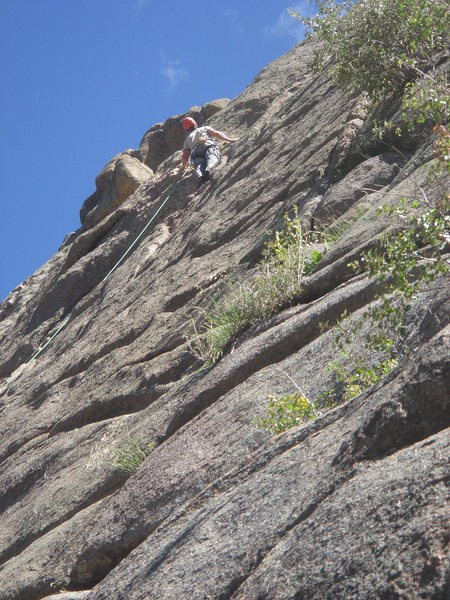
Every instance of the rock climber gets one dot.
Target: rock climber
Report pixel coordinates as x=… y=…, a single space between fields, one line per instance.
x=202 y=148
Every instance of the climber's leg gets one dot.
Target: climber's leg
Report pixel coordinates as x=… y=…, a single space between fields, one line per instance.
x=212 y=157
x=199 y=166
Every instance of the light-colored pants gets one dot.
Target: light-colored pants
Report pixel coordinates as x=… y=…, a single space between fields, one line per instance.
x=206 y=162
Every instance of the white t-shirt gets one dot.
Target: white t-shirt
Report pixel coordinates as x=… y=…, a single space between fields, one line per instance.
x=198 y=136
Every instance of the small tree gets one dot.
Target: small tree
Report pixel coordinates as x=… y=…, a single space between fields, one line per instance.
x=378 y=46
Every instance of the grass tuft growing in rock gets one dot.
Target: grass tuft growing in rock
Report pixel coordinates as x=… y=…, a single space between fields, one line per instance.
x=277 y=284
x=130 y=455
x=332 y=232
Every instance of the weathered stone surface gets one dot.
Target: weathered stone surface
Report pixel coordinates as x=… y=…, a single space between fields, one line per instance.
x=351 y=505
x=347 y=137
x=369 y=177
x=316 y=482
x=118 y=180
x=67 y=596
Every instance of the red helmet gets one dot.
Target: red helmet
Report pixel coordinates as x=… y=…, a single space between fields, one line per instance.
x=189 y=122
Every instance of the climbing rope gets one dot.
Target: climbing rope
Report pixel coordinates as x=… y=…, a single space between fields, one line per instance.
x=41 y=349
x=172 y=189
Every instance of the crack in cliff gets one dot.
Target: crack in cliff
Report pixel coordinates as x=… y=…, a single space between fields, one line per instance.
x=169 y=347
x=100 y=410
x=238 y=582
x=127 y=339
x=91 y=239
x=110 y=486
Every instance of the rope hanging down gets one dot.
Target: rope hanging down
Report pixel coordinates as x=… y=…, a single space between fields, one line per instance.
x=172 y=189
x=41 y=349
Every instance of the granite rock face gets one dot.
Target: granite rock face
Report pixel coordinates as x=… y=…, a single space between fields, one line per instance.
x=118 y=180
x=351 y=505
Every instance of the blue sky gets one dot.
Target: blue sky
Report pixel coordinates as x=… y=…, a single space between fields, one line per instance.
x=82 y=80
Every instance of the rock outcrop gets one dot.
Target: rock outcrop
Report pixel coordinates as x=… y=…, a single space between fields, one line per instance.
x=128 y=170
x=118 y=180
x=352 y=505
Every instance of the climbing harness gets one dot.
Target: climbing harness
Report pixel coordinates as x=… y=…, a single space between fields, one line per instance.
x=41 y=349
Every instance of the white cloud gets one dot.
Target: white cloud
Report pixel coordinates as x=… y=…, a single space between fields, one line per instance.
x=138 y=5
x=234 y=18
x=173 y=71
x=287 y=26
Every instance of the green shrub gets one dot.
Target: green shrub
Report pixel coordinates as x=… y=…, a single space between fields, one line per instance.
x=287 y=411
x=378 y=46
x=406 y=262
x=386 y=49
x=129 y=455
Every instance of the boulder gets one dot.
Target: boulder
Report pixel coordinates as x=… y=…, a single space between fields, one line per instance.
x=116 y=182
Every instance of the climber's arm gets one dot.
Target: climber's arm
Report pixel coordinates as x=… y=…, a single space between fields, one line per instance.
x=221 y=136
x=185 y=159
